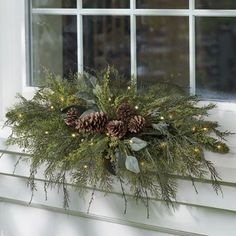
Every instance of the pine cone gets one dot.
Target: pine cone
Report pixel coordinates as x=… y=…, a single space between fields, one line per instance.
x=93 y=122
x=72 y=116
x=136 y=123
x=125 y=112
x=116 y=128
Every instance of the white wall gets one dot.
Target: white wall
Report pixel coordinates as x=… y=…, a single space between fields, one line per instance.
x=202 y=214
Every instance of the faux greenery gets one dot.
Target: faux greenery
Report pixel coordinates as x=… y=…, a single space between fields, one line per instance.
x=167 y=138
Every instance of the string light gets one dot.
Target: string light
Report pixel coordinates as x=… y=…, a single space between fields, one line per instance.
x=130 y=141
x=163 y=144
x=73 y=135
x=129 y=88
x=82 y=140
x=219 y=146
x=136 y=107
x=205 y=129
x=170 y=116
x=196 y=149
x=142 y=163
x=162 y=118
x=46 y=132
x=91 y=144
x=109 y=99
x=193 y=128
x=20 y=115
x=62 y=99
x=85 y=166
x=51 y=107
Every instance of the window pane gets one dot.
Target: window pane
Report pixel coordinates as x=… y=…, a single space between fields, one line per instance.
x=162 y=4
x=54 y=45
x=107 y=41
x=215 y=4
x=162 y=49
x=216 y=57
x=106 y=3
x=54 y=3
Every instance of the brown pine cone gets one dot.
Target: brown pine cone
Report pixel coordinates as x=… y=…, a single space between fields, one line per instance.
x=93 y=122
x=125 y=112
x=136 y=123
x=116 y=128
x=72 y=116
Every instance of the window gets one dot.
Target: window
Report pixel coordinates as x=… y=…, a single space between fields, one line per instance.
x=184 y=42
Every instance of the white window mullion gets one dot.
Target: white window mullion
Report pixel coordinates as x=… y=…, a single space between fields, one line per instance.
x=79 y=36
x=192 y=54
x=133 y=42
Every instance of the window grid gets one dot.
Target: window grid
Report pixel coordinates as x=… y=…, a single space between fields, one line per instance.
x=133 y=12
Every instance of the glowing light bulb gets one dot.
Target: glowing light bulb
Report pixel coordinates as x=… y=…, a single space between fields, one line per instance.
x=85 y=166
x=193 y=128
x=46 y=132
x=130 y=141
x=20 y=115
x=109 y=99
x=162 y=118
x=129 y=88
x=73 y=135
x=219 y=146
x=142 y=163
x=51 y=107
x=205 y=129
x=136 y=107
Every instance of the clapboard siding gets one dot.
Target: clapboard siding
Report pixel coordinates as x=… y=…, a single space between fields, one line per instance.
x=196 y=214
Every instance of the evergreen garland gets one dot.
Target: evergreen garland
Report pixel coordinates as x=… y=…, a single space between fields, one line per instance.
x=94 y=131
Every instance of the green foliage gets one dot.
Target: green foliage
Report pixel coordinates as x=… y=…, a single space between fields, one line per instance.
x=175 y=131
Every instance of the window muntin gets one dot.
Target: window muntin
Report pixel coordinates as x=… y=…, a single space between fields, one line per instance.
x=134 y=13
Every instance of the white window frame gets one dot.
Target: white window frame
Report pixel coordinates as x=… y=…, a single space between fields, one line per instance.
x=190 y=12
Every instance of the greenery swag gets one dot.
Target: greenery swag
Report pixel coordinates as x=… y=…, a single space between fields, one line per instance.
x=97 y=130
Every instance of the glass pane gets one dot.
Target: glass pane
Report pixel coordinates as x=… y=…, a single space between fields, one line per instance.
x=54 y=3
x=162 y=4
x=215 y=4
x=106 y=3
x=54 y=45
x=162 y=50
x=216 y=57
x=107 y=41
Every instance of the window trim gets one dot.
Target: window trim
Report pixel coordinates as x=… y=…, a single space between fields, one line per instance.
x=133 y=12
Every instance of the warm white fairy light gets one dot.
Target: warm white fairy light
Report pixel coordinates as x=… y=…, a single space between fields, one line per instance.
x=73 y=135
x=162 y=118
x=46 y=132
x=136 y=107
x=205 y=129
x=85 y=166
x=129 y=88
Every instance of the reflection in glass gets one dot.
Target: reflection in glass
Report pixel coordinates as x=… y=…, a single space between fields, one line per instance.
x=215 y=4
x=107 y=41
x=54 y=45
x=216 y=57
x=106 y=3
x=162 y=4
x=162 y=50
x=54 y=3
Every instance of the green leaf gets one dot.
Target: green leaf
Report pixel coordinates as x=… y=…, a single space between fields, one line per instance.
x=131 y=164
x=137 y=144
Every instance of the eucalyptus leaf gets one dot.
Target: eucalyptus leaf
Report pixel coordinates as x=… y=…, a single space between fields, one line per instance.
x=161 y=127
x=97 y=89
x=89 y=111
x=131 y=164
x=137 y=144
x=120 y=158
x=86 y=97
